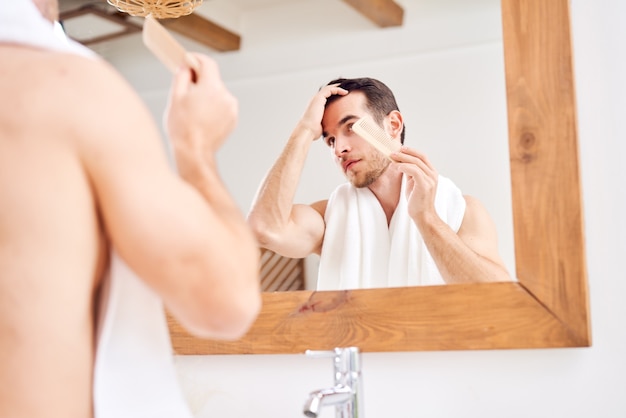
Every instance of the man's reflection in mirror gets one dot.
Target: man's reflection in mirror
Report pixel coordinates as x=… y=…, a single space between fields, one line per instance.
x=395 y=222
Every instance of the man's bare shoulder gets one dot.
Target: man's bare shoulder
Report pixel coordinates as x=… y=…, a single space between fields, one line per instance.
x=320 y=206
x=53 y=70
x=82 y=80
x=61 y=84
x=82 y=102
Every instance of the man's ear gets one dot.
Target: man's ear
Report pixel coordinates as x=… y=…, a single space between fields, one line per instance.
x=395 y=123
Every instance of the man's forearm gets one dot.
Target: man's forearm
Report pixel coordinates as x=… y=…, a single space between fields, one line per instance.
x=456 y=262
x=274 y=200
x=226 y=222
x=206 y=180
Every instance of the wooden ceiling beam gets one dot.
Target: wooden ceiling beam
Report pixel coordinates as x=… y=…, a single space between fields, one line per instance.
x=121 y=19
x=384 y=13
x=205 y=32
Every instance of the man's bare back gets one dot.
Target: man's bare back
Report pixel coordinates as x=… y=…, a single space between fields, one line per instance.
x=51 y=243
x=83 y=173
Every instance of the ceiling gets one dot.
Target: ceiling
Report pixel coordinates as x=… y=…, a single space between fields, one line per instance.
x=214 y=24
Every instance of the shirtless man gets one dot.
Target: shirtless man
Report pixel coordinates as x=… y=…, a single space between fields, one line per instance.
x=297 y=230
x=82 y=171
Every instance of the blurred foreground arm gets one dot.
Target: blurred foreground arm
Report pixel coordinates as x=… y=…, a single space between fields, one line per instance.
x=185 y=237
x=201 y=114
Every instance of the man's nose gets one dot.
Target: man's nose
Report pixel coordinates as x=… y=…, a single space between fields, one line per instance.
x=342 y=145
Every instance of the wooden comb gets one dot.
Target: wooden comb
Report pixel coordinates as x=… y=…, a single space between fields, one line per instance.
x=367 y=129
x=165 y=47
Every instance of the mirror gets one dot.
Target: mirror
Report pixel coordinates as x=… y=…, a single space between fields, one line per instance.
x=547 y=307
x=441 y=69
x=440 y=66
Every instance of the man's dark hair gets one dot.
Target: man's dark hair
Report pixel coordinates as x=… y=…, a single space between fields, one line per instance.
x=380 y=98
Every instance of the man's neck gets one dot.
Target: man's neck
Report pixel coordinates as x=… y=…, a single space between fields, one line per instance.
x=387 y=190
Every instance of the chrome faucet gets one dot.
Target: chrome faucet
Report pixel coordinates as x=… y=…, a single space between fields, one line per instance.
x=347 y=393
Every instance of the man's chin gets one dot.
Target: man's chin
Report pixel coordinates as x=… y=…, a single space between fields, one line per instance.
x=361 y=183
x=365 y=179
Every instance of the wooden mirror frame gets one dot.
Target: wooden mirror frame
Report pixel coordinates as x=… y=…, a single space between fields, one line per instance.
x=547 y=307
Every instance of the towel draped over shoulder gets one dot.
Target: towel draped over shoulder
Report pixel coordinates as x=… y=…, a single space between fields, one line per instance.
x=361 y=251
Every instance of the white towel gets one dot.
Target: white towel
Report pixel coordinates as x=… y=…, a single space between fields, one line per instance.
x=360 y=251
x=134 y=373
x=22 y=23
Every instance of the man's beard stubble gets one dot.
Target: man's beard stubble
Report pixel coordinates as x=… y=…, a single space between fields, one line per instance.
x=381 y=164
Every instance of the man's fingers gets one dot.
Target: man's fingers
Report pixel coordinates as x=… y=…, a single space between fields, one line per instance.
x=204 y=67
x=410 y=155
x=192 y=61
x=332 y=90
x=182 y=78
x=194 y=64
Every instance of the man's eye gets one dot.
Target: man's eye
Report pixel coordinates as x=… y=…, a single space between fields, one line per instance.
x=330 y=141
x=350 y=127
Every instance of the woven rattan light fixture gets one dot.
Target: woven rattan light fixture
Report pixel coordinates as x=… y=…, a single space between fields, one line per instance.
x=160 y=9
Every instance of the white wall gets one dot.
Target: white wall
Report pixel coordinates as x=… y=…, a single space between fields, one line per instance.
x=501 y=383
